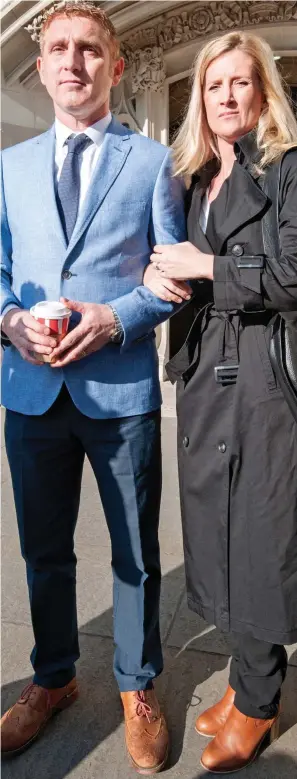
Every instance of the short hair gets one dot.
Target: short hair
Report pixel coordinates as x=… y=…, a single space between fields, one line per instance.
x=86 y=10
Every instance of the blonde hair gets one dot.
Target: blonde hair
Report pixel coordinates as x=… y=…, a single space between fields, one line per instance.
x=87 y=10
x=195 y=143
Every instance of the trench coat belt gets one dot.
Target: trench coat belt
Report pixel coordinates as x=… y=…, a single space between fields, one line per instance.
x=185 y=362
x=228 y=362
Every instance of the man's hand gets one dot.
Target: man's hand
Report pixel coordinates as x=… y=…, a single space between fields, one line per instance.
x=27 y=335
x=166 y=289
x=91 y=334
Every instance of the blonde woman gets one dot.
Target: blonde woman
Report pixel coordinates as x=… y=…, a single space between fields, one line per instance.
x=237 y=438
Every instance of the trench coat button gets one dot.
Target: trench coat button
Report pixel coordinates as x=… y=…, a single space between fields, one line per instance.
x=66 y=275
x=222 y=447
x=185 y=441
x=237 y=250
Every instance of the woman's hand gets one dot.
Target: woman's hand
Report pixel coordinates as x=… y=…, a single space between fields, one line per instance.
x=182 y=261
x=166 y=289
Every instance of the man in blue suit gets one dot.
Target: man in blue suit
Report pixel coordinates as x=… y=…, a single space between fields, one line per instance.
x=83 y=206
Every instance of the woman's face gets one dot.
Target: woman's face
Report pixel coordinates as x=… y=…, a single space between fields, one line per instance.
x=233 y=97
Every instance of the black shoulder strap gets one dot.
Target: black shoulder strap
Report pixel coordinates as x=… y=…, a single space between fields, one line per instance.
x=283 y=342
x=270 y=182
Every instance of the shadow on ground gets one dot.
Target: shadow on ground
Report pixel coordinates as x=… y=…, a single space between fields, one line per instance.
x=73 y=735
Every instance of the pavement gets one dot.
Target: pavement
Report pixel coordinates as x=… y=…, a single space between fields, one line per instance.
x=87 y=741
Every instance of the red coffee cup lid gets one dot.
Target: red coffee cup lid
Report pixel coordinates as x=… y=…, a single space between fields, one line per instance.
x=50 y=309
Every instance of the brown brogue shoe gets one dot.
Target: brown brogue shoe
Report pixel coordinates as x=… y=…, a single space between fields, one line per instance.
x=211 y=720
x=146 y=731
x=21 y=724
x=238 y=742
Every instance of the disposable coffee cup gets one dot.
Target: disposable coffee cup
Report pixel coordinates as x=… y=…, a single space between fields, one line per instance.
x=54 y=315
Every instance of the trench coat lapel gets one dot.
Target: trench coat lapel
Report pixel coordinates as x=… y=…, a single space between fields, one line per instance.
x=198 y=190
x=247 y=202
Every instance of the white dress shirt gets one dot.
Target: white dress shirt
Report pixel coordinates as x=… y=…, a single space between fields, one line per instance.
x=204 y=212
x=88 y=158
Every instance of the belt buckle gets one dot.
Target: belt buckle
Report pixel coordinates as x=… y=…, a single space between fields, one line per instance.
x=226 y=374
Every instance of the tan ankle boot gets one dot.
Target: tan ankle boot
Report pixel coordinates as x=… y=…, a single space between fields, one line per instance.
x=238 y=742
x=21 y=724
x=146 y=731
x=211 y=720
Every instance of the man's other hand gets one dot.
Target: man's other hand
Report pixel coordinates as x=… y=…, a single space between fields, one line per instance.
x=28 y=336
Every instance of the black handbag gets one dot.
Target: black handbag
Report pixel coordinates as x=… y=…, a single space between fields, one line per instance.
x=283 y=342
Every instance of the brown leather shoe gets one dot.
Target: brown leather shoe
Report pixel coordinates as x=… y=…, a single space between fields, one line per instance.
x=21 y=724
x=238 y=742
x=211 y=720
x=146 y=731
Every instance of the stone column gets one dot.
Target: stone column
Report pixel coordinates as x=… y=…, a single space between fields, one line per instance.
x=152 y=111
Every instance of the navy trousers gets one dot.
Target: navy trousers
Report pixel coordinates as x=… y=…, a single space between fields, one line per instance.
x=46 y=455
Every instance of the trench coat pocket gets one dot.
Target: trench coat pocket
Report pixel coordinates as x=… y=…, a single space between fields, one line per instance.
x=186 y=357
x=263 y=337
x=178 y=364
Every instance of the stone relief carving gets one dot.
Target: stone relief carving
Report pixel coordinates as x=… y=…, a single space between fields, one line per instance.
x=148 y=71
x=123 y=109
x=202 y=19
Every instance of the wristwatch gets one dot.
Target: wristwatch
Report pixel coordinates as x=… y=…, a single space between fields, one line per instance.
x=117 y=336
x=4 y=339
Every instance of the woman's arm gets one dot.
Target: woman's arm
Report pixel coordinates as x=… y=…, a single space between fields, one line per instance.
x=274 y=285
x=271 y=286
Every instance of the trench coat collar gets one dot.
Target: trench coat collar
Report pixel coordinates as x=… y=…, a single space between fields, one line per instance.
x=247 y=152
x=247 y=201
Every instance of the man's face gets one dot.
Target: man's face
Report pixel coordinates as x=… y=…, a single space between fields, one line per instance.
x=77 y=69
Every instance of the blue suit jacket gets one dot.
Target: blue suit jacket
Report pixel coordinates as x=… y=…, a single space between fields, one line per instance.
x=132 y=203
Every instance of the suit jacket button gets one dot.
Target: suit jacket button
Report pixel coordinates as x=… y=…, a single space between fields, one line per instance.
x=66 y=275
x=237 y=250
x=185 y=441
x=222 y=447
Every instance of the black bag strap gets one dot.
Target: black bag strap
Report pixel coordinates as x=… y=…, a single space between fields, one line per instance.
x=270 y=182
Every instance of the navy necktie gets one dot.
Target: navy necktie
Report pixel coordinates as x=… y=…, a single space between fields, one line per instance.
x=69 y=182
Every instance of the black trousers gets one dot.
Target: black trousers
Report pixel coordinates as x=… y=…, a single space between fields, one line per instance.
x=257 y=672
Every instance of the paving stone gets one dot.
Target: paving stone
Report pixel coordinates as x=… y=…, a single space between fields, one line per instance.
x=87 y=741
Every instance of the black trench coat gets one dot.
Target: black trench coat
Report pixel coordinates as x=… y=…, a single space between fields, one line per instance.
x=237 y=442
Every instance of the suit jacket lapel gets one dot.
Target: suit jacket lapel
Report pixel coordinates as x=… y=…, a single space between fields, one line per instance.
x=114 y=152
x=43 y=167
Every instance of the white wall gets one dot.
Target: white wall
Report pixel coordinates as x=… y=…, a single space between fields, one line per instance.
x=25 y=113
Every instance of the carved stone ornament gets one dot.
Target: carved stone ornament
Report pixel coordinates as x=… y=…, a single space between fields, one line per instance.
x=148 y=71
x=123 y=110
x=34 y=29
x=202 y=19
